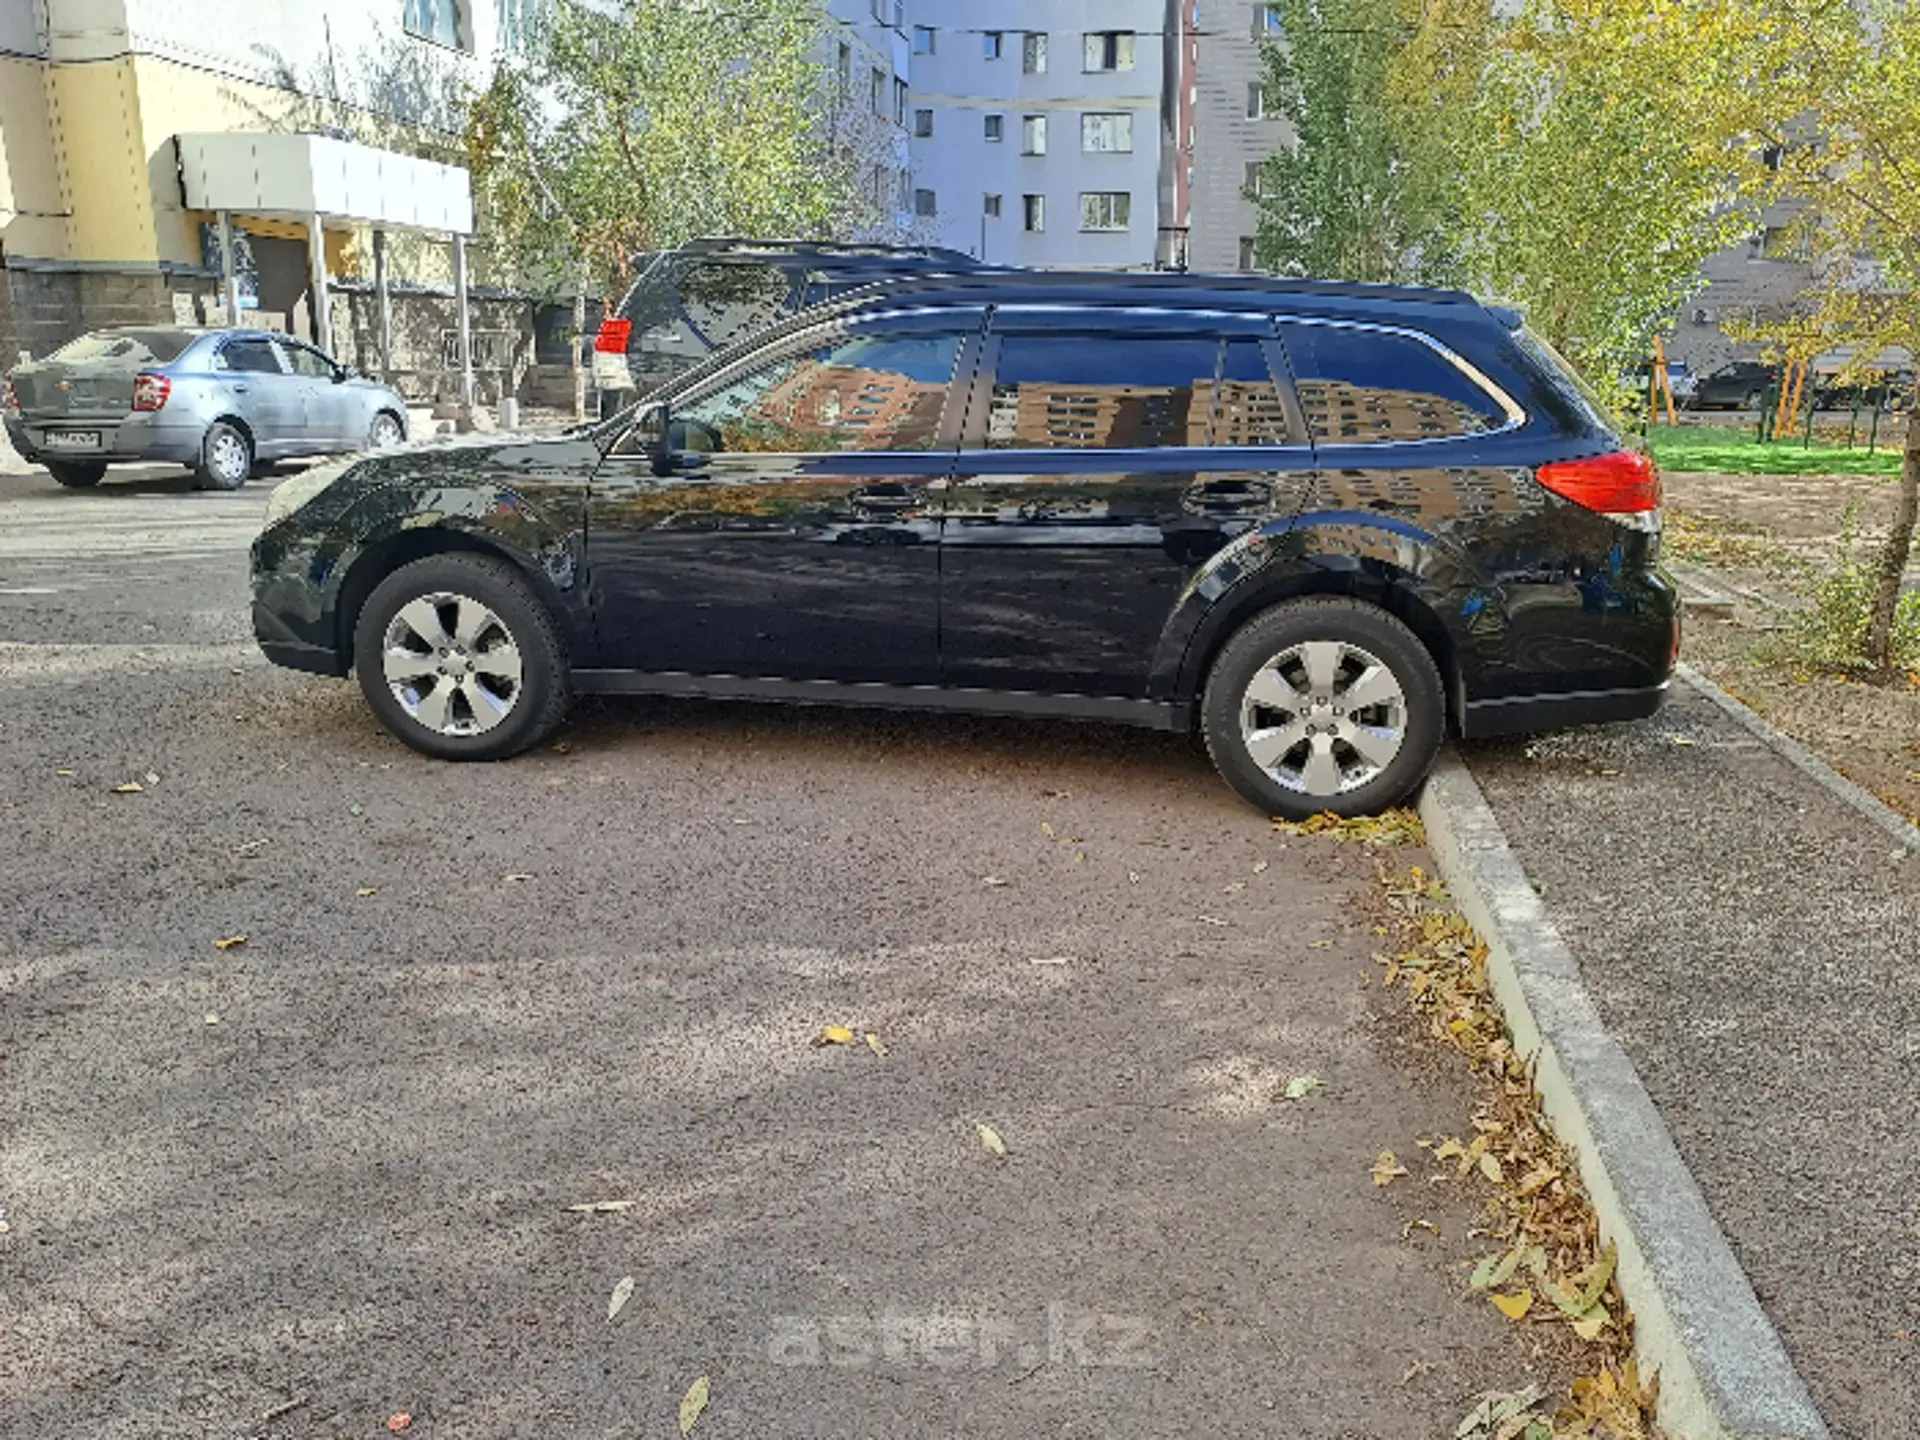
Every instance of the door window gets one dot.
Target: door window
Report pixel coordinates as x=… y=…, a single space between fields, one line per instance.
x=1370 y=387
x=1102 y=391
x=309 y=364
x=1246 y=404
x=254 y=357
x=864 y=392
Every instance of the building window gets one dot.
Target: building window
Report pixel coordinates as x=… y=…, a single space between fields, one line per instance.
x=846 y=67
x=1105 y=209
x=1033 y=135
x=519 y=23
x=990 y=45
x=1033 y=52
x=923 y=124
x=1247 y=260
x=995 y=128
x=1107 y=134
x=899 y=101
x=1256 y=101
x=435 y=20
x=1034 y=213
x=1109 y=50
x=924 y=203
x=1266 y=22
x=1254 y=171
x=923 y=40
x=992 y=207
x=877 y=90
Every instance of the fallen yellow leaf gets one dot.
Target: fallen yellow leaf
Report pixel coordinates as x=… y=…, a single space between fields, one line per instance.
x=1515 y=1306
x=694 y=1404
x=366 y=890
x=873 y=1044
x=230 y=943
x=132 y=787
x=617 y=1302
x=990 y=1140
x=1386 y=1168
x=1490 y=1167
x=835 y=1035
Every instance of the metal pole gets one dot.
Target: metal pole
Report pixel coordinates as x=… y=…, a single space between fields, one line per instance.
x=465 y=321
x=385 y=300
x=322 y=303
x=229 y=275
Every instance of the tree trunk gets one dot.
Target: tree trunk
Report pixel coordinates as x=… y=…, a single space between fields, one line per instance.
x=579 y=335
x=1893 y=560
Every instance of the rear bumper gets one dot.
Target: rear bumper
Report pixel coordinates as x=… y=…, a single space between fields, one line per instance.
x=136 y=439
x=1520 y=714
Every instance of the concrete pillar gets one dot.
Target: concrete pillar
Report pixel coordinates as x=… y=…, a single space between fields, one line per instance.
x=465 y=321
x=229 y=274
x=386 y=304
x=321 y=304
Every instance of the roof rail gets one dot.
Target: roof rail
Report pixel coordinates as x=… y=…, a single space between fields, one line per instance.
x=974 y=275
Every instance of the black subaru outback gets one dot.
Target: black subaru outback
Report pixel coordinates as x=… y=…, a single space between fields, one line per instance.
x=1316 y=523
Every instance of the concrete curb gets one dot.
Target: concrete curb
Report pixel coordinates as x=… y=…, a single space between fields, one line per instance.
x=1804 y=760
x=1724 y=1375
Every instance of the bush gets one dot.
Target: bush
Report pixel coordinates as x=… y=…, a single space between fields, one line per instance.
x=1831 y=633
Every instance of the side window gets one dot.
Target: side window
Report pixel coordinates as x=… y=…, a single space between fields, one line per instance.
x=864 y=392
x=307 y=363
x=1102 y=391
x=253 y=357
x=1246 y=405
x=1366 y=387
x=728 y=302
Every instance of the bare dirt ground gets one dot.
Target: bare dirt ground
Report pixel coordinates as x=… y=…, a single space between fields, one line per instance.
x=1759 y=538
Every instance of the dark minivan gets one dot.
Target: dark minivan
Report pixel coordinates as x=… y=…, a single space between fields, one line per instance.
x=1316 y=523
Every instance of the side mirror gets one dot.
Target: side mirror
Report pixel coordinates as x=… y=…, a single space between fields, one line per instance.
x=342 y=374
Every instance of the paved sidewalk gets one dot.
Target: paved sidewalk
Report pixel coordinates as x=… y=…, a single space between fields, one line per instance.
x=1751 y=941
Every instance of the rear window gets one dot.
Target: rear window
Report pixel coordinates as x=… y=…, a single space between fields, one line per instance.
x=1564 y=381
x=1361 y=386
x=135 y=347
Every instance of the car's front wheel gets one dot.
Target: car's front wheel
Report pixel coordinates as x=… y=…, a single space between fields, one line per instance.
x=385 y=432
x=1323 y=705
x=460 y=659
x=76 y=475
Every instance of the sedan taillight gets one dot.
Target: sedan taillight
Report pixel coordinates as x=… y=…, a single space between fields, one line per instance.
x=1623 y=483
x=150 y=392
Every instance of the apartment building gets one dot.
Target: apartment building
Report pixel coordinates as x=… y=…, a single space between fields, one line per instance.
x=1232 y=130
x=1036 y=129
x=867 y=59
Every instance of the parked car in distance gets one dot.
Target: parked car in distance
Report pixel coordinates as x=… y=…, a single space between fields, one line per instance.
x=1737 y=385
x=1319 y=524
x=217 y=401
x=1679 y=376
x=1864 y=390
x=709 y=294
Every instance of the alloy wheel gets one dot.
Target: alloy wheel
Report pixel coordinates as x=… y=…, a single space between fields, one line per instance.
x=384 y=434
x=228 y=459
x=1323 y=717
x=452 y=664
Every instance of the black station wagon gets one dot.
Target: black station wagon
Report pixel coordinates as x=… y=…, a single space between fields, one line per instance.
x=1315 y=524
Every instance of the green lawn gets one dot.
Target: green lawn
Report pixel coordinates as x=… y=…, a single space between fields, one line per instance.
x=1736 y=452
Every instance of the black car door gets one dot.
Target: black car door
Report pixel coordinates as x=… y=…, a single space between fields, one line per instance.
x=1113 y=454
x=794 y=534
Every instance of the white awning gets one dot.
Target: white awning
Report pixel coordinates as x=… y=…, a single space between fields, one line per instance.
x=262 y=173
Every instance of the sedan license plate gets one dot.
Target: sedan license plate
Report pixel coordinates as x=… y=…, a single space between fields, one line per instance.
x=73 y=440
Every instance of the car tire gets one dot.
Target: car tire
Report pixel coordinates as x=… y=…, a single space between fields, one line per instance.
x=458 y=657
x=1277 y=730
x=226 y=457
x=1753 y=400
x=386 y=431
x=76 y=475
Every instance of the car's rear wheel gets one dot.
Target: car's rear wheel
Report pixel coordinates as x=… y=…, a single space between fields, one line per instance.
x=226 y=458
x=459 y=658
x=385 y=432
x=1323 y=705
x=76 y=474
x=1753 y=400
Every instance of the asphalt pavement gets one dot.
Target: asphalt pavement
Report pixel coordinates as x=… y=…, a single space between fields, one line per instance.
x=1751 y=941
x=321 y=1176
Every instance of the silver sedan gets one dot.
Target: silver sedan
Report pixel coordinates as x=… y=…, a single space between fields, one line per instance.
x=220 y=402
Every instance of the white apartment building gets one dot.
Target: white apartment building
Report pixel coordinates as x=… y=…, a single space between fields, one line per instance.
x=867 y=62
x=1036 y=129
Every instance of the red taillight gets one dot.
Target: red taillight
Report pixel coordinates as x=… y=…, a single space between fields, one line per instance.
x=1623 y=483
x=9 y=401
x=150 y=392
x=613 y=337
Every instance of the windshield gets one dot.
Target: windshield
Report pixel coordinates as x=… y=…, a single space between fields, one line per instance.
x=136 y=347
